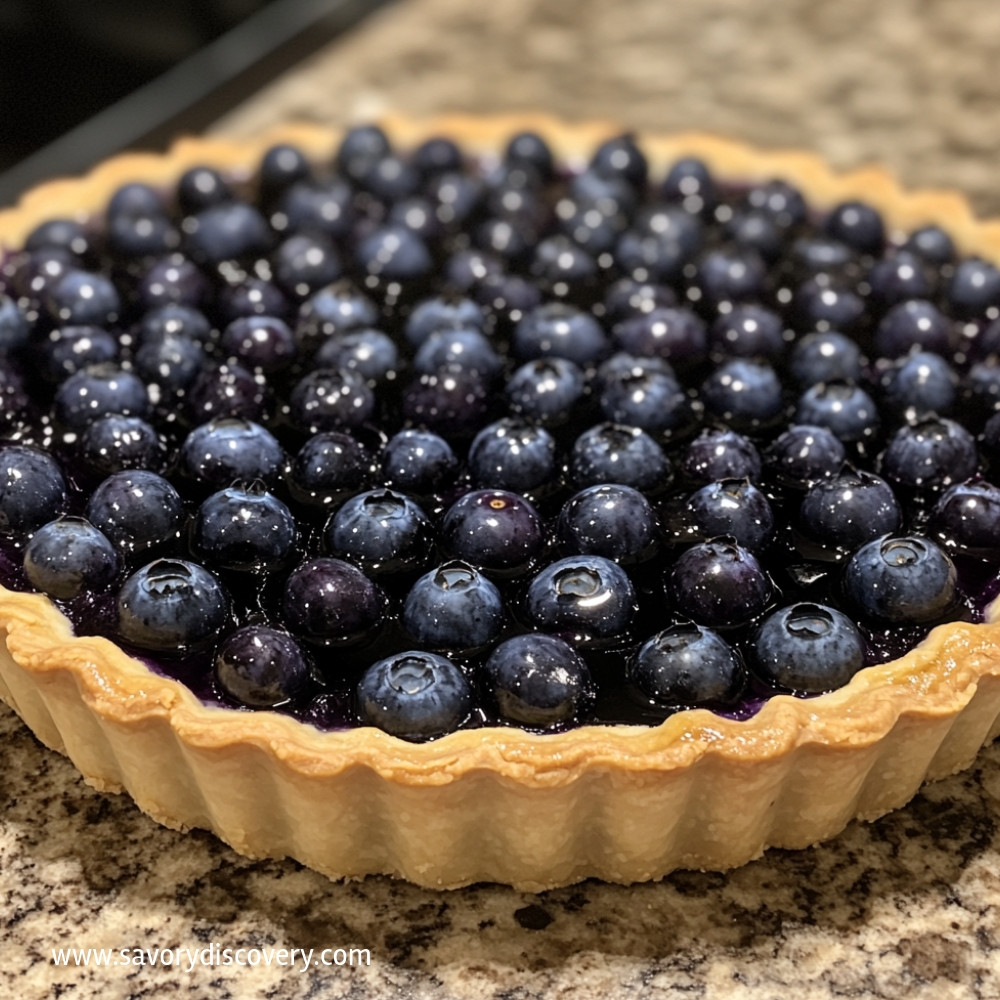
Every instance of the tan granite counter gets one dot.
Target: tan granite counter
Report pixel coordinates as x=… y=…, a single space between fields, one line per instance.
x=906 y=907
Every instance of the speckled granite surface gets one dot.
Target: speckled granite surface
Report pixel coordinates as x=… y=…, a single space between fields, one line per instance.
x=906 y=907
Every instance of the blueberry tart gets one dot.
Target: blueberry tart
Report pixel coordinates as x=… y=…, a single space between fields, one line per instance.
x=498 y=499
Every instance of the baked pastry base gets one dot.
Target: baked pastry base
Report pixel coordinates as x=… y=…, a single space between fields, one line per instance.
x=620 y=803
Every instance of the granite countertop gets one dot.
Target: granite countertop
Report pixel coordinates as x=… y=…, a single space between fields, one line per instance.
x=907 y=906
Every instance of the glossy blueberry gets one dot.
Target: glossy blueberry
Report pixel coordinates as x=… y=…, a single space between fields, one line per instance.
x=371 y=353
x=394 y=253
x=858 y=225
x=748 y=330
x=607 y=193
x=113 y=443
x=932 y=453
x=232 y=230
x=14 y=401
x=451 y=400
x=328 y=465
x=966 y=519
x=131 y=236
x=719 y=584
x=745 y=394
x=729 y=275
x=901 y=580
x=562 y=268
x=330 y=399
x=245 y=529
x=803 y=455
x=720 y=454
x=97 y=390
x=614 y=453
x=545 y=391
x=14 y=326
x=171 y=361
x=174 y=320
x=442 y=313
x=627 y=297
x=919 y=384
x=381 y=531
x=780 y=201
x=34 y=275
x=587 y=599
x=809 y=256
x=621 y=157
x=173 y=280
x=844 y=408
x=898 y=278
x=69 y=235
x=649 y=399
x=825 y=357
x=390 y=178
x=32 y=489
x=170 y=605
x=931 y=243
x=609 y=520
x=749 y=229
x=513 y=455
x=974 y=288
x=137 y=510
x=200 y=187
x=361 y=146
x=261 y=667
x=437 y=155
x=508 y=297
x=690 y=183
x=417 y=461
x=417 y=214
x=328 y=600
x=658 y=255
x=559 y=330
x=470 y=349
x=69 y=349
x=227 y=390
x=226 y=450
x=305 y=263
x=453 y=607
x=624 y=366
x=414 y=695
x=914 y=323
x=732 y=507
x=531 y=150
x=334 y=309
x=596 y=226
x=496 y=531
x=684 y=666
x=454 y=197
x=317 y=208
x=981 y=385
x=81 y=298
x=677 y=335
x=849 y=509
x=538 y=681
x=68 y=556
x=281 y=166
x=250 y=296
x=466 y=270
x=809 y=648
x=824 y=303
x=136 y=198
x=261 y=343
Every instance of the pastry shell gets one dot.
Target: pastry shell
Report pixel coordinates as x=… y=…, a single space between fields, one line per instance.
x=620 y=803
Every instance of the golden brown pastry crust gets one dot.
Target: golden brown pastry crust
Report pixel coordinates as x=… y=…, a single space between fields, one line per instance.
x=622 y=803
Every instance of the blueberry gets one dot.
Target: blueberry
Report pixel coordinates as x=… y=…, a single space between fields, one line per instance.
x=559 y=330
x=113 y=443
x=780 y=201
x=334 y=309
x=720 y=454
x=728 y=275
x=677 y=335
x=305 y=263
x=61 y=234
x=174 y=320
x=261 y=343
x=360 y=147
x=588 y=599
x=803 y=455
x=137 y=510
x=330 y=399
x=744 y=394
x=808 y=648
x=848 y=510
x=330 y=601
x=390 y=178
x=201 y=186
x=931 y=243
x=318 y=208
x=810 y=256
x=14 y=326
x=749 y=229
x=966 y=519
x=68 y=556
x=328 y=465
x=538 y=681
x=689 y=182
x=232 y=230
x=261 y=667
x=858 y=225
x=824 y=303
x=14 y=400
x=417 y=461
x=529 y=149
x=545 y=391
x=132 y=235
x=442 y=313
x=844 y=408
x=748 y=330
x=226 y=450
x=173 y=280
x=453 y=607
x=136 y=198
x=69 y=349
x=719 y=584
x=250 y=296
x=437 y=155
x=609 y=520
x=624 y=366
x=244 y=529
x=651 y=400
x=562 y=268
x=920 y=384
x=170 y=605
x=981 y=385
x=614 y=453
x=381 y=531
x=469 y=348
x=897 y=279
x=932 y=453
x=914 y=323
x=594 y=225
x=621 y=157
x=466 y=270
x=512 y=455
x=451 y=400
x=97 y=390
x=227 y=390
x=628 y=297
x=454 y=196
x=825 y=357
x=497 y=531
x=394 y=253
x=974 y=288
x=281 y=166
x=417 y=214
x=732 y=507
x=414 y=695
x=32 y=489
x=901 y=580
x=81 y=298
x=171 y=361
x=659 y=254
x=684 y=666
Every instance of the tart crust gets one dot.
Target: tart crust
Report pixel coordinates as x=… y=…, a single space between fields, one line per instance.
x=620 y=803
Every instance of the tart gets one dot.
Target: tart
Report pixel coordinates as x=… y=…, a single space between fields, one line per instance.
x=685 y=447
